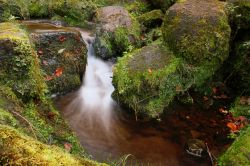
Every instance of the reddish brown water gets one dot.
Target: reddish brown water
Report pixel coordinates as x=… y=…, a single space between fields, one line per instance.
x=154 y=143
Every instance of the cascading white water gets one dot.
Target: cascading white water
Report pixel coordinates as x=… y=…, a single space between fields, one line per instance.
x=94 y=97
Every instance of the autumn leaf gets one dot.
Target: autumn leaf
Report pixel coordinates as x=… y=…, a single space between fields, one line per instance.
x=62 y=38
x=178 y=88
x=215 y=90
x=232 y=126
x=223 y=111
x=67 y=146
x=40 y=51
x=205 y=98
x=149 y=70
x=58 y=72
x=48 y=78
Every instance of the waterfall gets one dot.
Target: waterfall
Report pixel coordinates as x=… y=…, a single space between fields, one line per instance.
x=94 y=97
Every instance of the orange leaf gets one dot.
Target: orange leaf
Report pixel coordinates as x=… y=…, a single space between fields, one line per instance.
x=67 y=146
x=48 y=78
x=205 y=98
x=149 y=70
x=232 y=126
x=58 y=71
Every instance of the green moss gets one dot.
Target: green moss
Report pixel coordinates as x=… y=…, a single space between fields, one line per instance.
x=240 y=109
x=238 y=154
x=137 y=7
x=20 y=70
x=197 y=39
x=19 y=149
x=148 y=79
x=146 y=18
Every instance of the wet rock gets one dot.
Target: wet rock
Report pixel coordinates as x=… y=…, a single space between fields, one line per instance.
x=19 y=65
x=196 y=148
x=148 y=79
x=63 y=54
x=117 y=30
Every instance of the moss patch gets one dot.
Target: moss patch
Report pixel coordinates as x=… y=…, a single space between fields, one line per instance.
x=19 y=149
x=20 y=68
x=238 y=153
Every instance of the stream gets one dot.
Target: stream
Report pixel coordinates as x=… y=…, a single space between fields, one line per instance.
x=108 y=132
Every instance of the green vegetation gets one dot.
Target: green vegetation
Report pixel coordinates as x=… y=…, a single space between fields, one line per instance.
x=19 y=149
x=238 y=153
x=74 y=12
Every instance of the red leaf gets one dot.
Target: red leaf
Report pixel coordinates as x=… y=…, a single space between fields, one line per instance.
x=232 y=126
x=215 y=90
x=67 y=146
x=40 y=51
x=58 y=72
x=48 y=78
x=62 y=38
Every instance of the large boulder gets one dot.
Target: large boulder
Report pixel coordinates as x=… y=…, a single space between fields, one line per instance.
x=196 y=36
x=19 y=65
x=148 y=79
x=197 y=31
x=62 y=53
x=116 y=32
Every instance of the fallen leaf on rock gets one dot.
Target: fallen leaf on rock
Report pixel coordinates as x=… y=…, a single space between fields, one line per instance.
x=67 y=146
x=149 y=70
x=48 y=78
x=58 y=72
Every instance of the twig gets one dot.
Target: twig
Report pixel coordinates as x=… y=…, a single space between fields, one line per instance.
x=210 y=156
x=30 y=125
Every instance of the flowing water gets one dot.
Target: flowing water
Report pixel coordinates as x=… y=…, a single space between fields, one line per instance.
x=108 y=132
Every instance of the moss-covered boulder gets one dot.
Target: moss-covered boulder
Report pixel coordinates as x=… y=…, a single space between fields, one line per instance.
x=148 y=79
x=118 y=31
x=197 y=31
x=19 y=65
x=161 y=4
x=19 y=149
x=238 y=154
x=62 y=53
x=239 y=13
x=151 y=18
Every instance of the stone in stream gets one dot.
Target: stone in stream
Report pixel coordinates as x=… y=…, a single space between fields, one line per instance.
x=195 y=44
x=62 y=53
x=19 y=64
x=196 y=148
x=117 y=30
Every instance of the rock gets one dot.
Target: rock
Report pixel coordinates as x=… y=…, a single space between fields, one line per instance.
x=196 y=148
x=62 y=53
x=19 y=65
x=239 y=13
x=198 y=31
x=161 y=4
x=117 y=31
x=151 y=18
x=148 y=79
